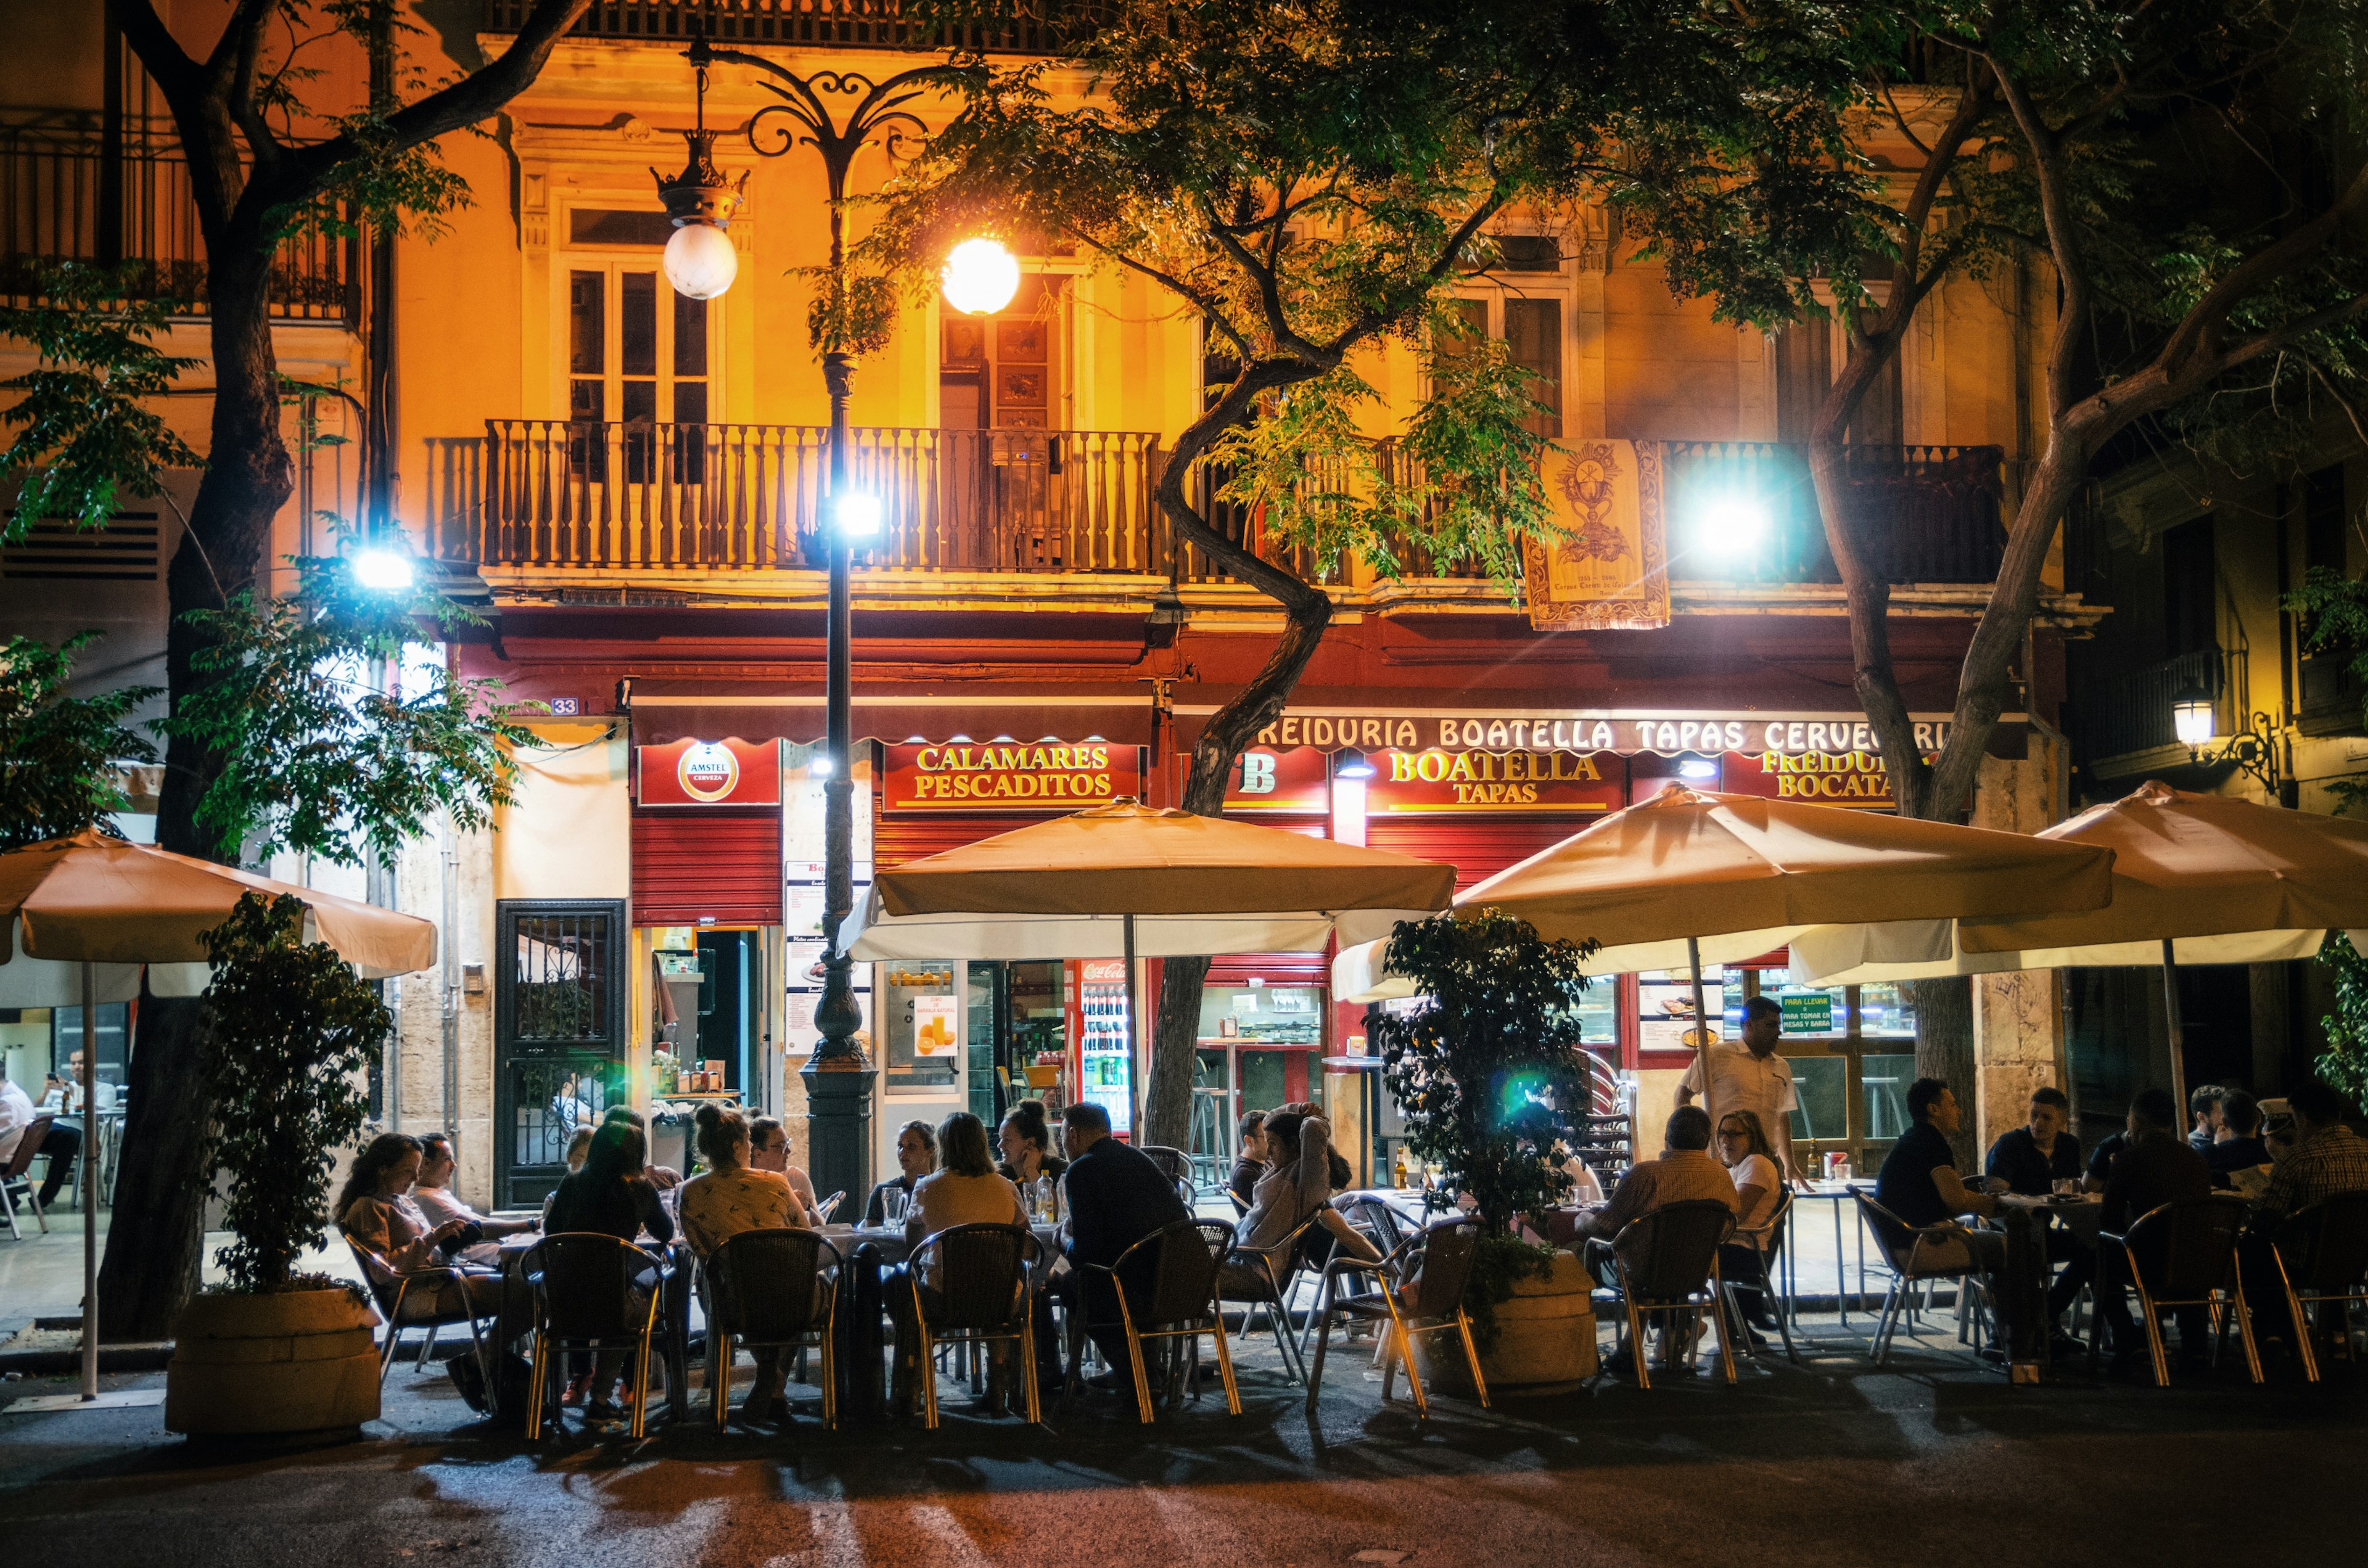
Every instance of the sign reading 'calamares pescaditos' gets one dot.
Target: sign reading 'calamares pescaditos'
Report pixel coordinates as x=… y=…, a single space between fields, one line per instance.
x=1009 y=776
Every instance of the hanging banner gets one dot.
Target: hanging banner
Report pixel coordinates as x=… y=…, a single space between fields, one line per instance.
x=1476 y=780
x=1609 y=570
x=1009 y=776
x=710 y=773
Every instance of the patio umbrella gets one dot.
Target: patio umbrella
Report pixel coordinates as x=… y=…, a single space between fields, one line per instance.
x=1126 y=879
x=2197 y=878
x=80 y=915
x=1688 y=876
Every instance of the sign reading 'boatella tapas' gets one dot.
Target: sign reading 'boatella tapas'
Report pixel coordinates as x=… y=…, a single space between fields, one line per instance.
x=1009 y=776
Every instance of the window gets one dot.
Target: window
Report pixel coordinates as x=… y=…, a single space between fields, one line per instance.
x=1804 y=371
x=1001 y=372
x=2188 y=573
x=1852 y=1051
x=638 y=360
x=1531 y=328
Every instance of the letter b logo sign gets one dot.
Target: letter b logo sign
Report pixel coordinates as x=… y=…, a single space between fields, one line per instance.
x=1257 y=773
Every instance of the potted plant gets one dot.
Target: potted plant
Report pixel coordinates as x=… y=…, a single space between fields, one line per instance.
x=1479 y=1070
x=290 y=1032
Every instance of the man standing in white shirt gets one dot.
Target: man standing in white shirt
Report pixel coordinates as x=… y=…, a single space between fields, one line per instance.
x=1749 y=1075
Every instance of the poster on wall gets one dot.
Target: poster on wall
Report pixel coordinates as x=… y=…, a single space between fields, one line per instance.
x=1608 y=569
x=937 y=1026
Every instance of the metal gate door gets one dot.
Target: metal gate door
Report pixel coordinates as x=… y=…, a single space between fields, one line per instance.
x=558 y=1035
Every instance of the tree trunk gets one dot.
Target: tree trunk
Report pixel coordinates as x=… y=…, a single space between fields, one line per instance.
x=154 y=1239
x=1944 y=1050
x=1167 y=1101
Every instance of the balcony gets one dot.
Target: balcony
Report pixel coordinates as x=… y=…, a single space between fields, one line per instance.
x=49 y=182
x=1022 y=28
x=665 y=501
x=2129 y=715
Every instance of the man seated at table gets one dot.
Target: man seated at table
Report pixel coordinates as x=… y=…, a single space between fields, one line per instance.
x=60 y=1142
x=2203 y=1115
x=1250 y=1164
x=434 y=1195
x=1685 y=1172
x=1918 y=1184
x=1114 y=1196
x=2238 y=1146
x=2154 y=1169
x=2328 y=1156
x=2029 y=1161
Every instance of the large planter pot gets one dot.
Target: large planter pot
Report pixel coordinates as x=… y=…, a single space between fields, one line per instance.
x=1546 y=1339
x=297 y=1361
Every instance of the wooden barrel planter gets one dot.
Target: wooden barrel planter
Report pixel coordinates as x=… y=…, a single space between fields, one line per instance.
x=296 y=1361
x=1546 y=1339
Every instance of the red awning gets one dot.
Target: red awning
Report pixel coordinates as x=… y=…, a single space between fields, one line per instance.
x=721 y=710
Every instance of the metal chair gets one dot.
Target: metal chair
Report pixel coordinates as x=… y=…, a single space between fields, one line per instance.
x=1430 y=1269
x=1166 y=1289
x=1388 y=1229
x=1675 y=1273
x=1766 y=1281
x=1175 y=1165
x=771 y=1289
x=392 y=1289
x=978 y=1293
x=584 y=1283
x=1917 y=1254
x=14 y=1178
x=2322 y=1256
x=2192 y=1242
x=1263 y=1278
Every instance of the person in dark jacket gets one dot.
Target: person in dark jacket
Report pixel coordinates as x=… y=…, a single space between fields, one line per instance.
x=612 y=1196
x=2238 y=1146
x=1115 y=1197
x=2155 y=1168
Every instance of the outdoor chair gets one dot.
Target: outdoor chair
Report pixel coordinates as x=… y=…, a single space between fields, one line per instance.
x=584 y=1284
x=15 y=1177
x=978 y=1294
x=1263 y=1278
x=1916 y=1256
x=394 y=1289
x=1388 y=1231
x=771 y=1289
x=1175 y=1165
x=2322 y=1255
x=1165 y=1286
x=2188 y=1248
x=1419 y=1289
x=1665 y=1263
x=1766 y=1257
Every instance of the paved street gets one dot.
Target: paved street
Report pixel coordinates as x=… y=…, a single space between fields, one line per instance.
x=1831 y=1464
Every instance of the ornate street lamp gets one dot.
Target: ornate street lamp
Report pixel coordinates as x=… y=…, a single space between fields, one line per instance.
x=839 y=1074
x=2254 y=748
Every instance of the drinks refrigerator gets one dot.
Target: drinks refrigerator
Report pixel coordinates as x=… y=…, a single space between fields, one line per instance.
x=1105 y=1073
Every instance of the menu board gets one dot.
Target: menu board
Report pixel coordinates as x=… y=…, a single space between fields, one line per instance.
x=1665 y=1005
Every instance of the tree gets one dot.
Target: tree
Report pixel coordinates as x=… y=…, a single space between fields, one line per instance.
x=261 y=162
x=57 y=753
x=289 y=1030
x=1486 y=1069
x=1309 y=182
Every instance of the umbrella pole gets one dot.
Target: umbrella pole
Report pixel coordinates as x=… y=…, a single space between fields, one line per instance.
x=1702 y=1037
x=89 y=1184
x=2178 y=1030
x=1133 y=1043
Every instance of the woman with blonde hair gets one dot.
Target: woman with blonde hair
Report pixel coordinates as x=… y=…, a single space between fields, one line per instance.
x=731 y=1197
x=1745 y=1150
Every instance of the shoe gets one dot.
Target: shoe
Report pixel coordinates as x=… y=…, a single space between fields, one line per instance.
x=1111 y=1382
x=1620 y=1363
x=601 y=1410
x=764 y=1412
x=2063 y=1347
x=577 y=1391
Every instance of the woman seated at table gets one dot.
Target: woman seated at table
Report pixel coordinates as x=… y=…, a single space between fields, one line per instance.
x=768 y=1150
x=731 y=1197
x=917 y=1157
x=964 y=1190
x=1744 y=1149
x=612 y=1196
x=376 y=1210
x=1027 y=1139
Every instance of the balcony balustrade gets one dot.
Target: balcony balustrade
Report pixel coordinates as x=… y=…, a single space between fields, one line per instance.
x=2131 y=714
x=50 y=210
x=1017 y=28
x=672 y=498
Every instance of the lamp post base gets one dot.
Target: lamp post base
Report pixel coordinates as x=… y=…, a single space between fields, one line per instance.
x=838 y=1130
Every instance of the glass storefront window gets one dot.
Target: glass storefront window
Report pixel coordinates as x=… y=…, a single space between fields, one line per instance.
x=1887 y=1009
x=1885 y=1081
x=1811 y=1013
x=922 y=1019
x=1263 y=1014
x=1821 y=1084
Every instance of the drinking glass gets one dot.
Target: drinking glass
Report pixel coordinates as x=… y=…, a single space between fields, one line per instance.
x=894 y=1204
x=2068 y=1186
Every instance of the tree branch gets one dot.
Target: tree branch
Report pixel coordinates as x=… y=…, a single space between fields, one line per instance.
x=2062 y=238
x=2210 y=314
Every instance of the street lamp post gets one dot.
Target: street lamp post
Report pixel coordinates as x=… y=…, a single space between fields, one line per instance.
x=838 y=1073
